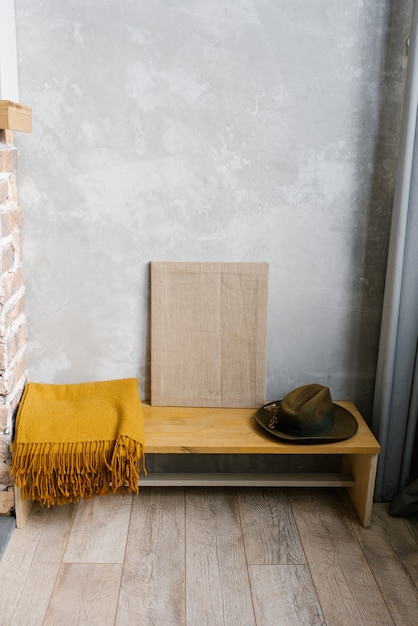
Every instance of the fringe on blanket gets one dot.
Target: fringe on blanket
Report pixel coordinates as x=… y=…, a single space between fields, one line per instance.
x=59 y=473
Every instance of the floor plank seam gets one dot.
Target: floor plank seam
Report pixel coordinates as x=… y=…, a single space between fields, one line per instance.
x=54 y=586
x=349 y=512
x=237 y=493
x=312 y=577
x=124 y=559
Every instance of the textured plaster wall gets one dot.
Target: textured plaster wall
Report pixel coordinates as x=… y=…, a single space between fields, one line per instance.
x=238 y=130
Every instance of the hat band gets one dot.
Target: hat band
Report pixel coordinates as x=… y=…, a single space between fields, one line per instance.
x=307 y=430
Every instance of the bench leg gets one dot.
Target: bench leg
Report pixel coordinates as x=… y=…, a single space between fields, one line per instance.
x=363 y=468
x=22 y=508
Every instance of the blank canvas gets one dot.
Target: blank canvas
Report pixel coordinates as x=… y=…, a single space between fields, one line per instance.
x=208 y=334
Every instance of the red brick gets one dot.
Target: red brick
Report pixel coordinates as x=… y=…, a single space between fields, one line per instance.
x=10 y=254
x=10 y=221
x=6 y=136
x=4 y=447
x=5 y=192
x=10 y=283
x=13 y=189
x=5 y=416
x=13 y=399
x=17 y=340
x=8 y=159
x=3 y=356
x=19 y=370
x=5 y=478
x=7 y=501
x=11 y=377
x=11 y=312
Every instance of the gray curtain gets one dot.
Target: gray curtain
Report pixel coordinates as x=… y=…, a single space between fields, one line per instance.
x=396 y=389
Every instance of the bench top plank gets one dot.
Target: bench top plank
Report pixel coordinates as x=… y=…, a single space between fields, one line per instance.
x=179 y=430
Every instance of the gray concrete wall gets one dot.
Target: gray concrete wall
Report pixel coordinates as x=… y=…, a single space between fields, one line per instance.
x=192 y=130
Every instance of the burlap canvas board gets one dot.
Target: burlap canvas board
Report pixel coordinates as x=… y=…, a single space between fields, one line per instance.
x=208 y=334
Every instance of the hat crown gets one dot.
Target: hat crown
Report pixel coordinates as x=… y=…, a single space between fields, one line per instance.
x=306 y=411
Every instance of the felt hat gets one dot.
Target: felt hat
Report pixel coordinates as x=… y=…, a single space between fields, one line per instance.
x=307 y=415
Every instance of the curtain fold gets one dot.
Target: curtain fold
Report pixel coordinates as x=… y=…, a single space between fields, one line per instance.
x=394 y=409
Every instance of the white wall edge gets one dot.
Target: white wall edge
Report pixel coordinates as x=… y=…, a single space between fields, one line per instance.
x=9 y=89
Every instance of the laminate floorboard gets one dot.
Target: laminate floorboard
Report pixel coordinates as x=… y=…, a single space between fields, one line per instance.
x=285 y=595
x=85 y=593
x=269 y=529
x=392 y=555
x=30 y=565
x=211 y=556
x=100 y=530
x=346 y=587
x=153 y=579
x=217 y=581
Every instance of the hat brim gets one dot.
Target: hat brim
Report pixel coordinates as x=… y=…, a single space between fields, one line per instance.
x=345 y=426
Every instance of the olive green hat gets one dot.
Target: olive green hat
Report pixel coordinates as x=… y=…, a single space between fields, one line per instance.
x=307 y=415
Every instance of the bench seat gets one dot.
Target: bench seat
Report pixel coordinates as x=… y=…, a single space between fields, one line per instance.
x=187 y=430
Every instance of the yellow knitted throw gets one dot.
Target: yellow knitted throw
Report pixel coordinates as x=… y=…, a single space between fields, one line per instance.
x=76 y=441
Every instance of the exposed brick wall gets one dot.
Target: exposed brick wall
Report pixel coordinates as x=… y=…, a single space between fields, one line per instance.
x=13 y=327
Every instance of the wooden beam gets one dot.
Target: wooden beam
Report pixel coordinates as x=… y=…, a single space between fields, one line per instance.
x=15 y=116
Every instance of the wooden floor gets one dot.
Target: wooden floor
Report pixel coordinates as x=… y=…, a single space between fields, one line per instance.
x=211 y=556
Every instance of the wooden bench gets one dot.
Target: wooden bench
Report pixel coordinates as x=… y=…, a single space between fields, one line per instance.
x=185 y=430
x=214 y=431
